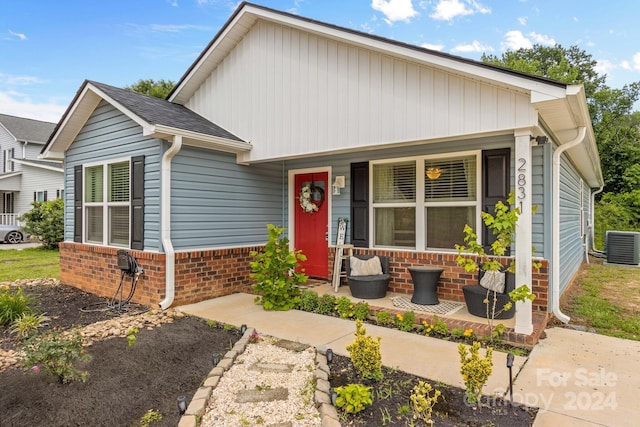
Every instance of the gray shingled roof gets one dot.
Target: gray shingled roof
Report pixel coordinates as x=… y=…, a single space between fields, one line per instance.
x=27 y=129
x=158 y=111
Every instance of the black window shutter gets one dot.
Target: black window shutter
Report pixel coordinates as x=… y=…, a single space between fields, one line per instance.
x=13 y=156
x=45 y=195
x=77 y=204
x=57 y=194
x=35 y=196
x=360 y=204
x=137 y=202
x=4 y=161
x=495 y=186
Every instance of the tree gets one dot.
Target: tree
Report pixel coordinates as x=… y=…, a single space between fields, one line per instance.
x=46 y=221
x=158 y=89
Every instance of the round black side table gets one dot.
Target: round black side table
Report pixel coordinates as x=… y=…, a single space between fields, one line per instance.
x=425 y=283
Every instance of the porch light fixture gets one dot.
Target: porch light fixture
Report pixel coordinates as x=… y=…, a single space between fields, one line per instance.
x=215 y=359
x=329 y=355
x=243 y=329
x=338 y=183
x=540 y=140
x=434 y=173
x=182 y=404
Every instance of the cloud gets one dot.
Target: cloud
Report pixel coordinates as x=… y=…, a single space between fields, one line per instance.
x=438 y=47
x=515 y=40
x=395 y=10
x=476 y=46
x=175 y=28
x=522 y=20
x=542 y=39
x=12 y=80
x=603 y=66
x=17 y=105
x=636 y=61
x=18 y=35
x=625 y=65
x=446 y=10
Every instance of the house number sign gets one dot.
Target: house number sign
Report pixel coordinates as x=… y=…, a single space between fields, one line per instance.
x=521 y=182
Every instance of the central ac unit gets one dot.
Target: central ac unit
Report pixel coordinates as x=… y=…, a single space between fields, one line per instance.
x=623 y=247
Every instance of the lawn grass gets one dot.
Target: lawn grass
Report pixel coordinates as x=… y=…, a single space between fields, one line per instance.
x=31 y=263
x=606 y=298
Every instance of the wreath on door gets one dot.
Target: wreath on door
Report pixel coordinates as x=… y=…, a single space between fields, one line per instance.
x=311 y=198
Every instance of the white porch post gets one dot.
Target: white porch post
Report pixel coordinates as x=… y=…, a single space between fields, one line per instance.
x=524 y=319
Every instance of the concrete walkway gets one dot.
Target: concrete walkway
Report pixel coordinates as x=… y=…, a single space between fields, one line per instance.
x=564 y=354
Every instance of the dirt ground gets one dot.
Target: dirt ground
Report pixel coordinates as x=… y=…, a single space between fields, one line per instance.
x=124 y=382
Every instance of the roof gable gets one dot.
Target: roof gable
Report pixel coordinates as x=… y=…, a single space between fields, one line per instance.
x=22 y=129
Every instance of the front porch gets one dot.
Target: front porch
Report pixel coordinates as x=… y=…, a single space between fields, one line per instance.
x=458 y=318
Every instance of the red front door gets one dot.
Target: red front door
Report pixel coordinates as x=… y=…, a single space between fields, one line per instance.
x=311 y=222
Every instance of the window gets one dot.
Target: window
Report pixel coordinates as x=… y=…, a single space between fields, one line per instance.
x=40 y=196
x=107 y=204
x=8 y=163
x=424 y=203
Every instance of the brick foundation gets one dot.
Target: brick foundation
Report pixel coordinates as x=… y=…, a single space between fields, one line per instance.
x=199 y=275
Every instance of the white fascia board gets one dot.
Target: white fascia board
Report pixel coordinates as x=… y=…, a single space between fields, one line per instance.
x=208 y=141
x=119 y=106
x=52 y=155
x=10 y=175
x=36 y=165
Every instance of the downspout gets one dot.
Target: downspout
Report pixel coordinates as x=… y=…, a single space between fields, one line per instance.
x=592 y=225
x=582 y=131
x=165 y=222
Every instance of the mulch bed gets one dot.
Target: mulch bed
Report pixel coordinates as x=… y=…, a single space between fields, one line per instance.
x=391 y=400
x=124 y=382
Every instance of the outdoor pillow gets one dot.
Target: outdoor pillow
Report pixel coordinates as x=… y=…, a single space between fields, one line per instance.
x=493 y=280
x=361 y=267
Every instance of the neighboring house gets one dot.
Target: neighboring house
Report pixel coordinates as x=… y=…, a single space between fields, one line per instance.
x=423 y=142
x=23 y=177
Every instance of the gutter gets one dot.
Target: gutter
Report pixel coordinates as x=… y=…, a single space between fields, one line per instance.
x=165 y=220
x=582 y=131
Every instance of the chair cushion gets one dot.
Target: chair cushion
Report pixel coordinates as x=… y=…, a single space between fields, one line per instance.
x=369 y=267
x=493 y=280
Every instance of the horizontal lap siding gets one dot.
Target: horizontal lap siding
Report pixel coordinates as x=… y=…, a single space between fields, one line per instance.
x=109 y=134
x=571 y=244
x=218 y=203
x=294 y=93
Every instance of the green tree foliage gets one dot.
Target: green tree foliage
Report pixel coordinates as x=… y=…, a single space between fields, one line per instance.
x=46 y=220
x=156 y=88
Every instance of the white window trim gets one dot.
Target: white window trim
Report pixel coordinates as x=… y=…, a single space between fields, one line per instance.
x=420 y=203
x=105 y=204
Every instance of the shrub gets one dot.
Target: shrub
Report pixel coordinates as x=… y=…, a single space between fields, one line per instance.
x=46 y=220
x=439 y=326
x=277 y=282
x=422 y=401
x=57 y=352
x=353 y=397
x=308 y=301
x=13 y=304
x=475 y=370
x=344 y=307
x=326 y=304
x=383 y=318
x=365 y=354
x=361 y=310
x=25 y=325
x=406 y=321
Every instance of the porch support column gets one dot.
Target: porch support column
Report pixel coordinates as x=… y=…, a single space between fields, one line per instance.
x=523 y=244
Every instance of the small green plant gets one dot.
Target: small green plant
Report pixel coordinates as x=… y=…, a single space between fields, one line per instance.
x=365 y=354
x=439 y=326
x=385 y=416
x=353 y=398
x=403 y=410
x=308 y=300
x=457 y=333
x=326 y=304
x=27 y=324
x=406 y=321
x=383 y=318
x=423 y=398
x=151 y=416
x=361 y=311
x=56 y=352
x=475 y=370
x=344 y=307
x=132 y=336
x=13 y=304
x=274 y=271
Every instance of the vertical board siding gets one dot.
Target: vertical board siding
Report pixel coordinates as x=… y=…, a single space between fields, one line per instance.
x=109 y=134
x=571 y=244
x=218 y=203
x=311 y=94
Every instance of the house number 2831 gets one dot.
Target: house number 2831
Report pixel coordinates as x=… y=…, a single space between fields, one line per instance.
x=521 y=182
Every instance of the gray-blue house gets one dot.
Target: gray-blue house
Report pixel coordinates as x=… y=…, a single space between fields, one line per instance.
x=295 y=122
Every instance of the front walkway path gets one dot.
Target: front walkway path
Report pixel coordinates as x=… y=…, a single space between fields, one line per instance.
x=575 y=356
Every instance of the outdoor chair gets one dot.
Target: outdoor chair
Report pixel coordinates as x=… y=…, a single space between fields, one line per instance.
x=475 y=295
x=369 y=286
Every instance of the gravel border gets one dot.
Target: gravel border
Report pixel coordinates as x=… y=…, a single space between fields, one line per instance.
x=198 y=405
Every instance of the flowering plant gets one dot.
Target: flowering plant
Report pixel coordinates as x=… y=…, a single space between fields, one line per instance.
x=306 y=203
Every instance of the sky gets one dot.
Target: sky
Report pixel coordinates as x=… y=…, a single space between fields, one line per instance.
x=48 y=48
